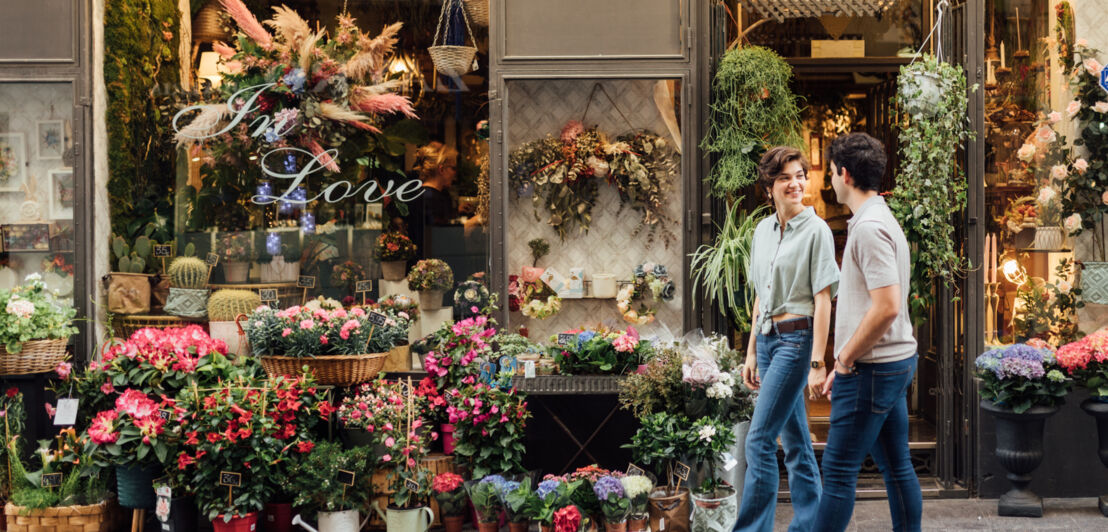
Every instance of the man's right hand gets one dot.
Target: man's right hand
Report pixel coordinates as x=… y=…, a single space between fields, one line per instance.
x=750 y=373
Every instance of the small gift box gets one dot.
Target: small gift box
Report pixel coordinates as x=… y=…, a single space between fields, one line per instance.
x=575 y=285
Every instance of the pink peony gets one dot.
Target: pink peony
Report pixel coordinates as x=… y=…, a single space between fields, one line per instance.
x=701 y=372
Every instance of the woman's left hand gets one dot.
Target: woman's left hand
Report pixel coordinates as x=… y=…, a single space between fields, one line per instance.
x=816 y=378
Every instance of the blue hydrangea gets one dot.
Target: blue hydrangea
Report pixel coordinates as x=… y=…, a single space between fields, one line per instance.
x=508 y=487
x=585 y=337
x=495 y=480
x=607 y=486
x=294 y=80
x=1019 y=360
x=547 y=487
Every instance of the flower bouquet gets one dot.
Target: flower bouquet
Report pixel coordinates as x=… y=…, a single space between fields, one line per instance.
x=637 y=488
x=614 y=503
x=1087 y=361
x=34 y=329
x=485 y=496
x=236 y=251
x=1021 y=376
x=472 y=298
x=393 y=250
x=430 y=277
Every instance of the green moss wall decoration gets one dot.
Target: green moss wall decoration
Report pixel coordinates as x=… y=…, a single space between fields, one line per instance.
x=141 y=38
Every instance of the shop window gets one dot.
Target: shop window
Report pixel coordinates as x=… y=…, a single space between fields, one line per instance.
x=595 y=190
x=37 y=185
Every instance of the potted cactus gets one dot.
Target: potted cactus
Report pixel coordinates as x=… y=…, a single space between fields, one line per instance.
x=129 y=284
x=279 y=258
x=224 y=306
x=188 y=281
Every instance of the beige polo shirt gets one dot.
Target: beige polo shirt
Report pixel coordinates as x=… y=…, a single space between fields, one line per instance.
x=876 y=256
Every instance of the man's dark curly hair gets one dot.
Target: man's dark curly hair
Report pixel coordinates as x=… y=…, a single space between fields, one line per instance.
x=863 y=156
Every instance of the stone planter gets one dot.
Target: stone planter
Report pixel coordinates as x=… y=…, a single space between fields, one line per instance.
x=393 y=270
x=1019 y=449
x=236 y=272
x=1049 y=237
x=715 y=512
x=1099 y=410
x=430 y=299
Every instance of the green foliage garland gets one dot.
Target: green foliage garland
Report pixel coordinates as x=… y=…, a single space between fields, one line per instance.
x=752 y=110
x=931 y=189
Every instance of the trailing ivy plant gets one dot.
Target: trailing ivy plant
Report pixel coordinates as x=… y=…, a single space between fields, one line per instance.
x=931 y=189
x=752 y=110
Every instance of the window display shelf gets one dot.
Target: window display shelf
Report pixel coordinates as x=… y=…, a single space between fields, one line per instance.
x=570 y=384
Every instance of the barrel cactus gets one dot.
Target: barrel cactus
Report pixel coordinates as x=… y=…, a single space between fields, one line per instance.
x=188 y=272
x=225 y=305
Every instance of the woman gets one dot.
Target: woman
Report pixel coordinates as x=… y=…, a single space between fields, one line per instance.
x=793 y=270
x=437 y=166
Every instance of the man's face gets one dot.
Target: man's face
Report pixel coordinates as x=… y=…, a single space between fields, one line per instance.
x=838 y=182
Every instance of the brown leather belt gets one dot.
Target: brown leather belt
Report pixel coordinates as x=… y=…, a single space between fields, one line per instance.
x=793 y=325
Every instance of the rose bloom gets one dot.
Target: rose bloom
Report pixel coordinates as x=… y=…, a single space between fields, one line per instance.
x=1026 y=152
x=1073 y=108
x=1054 y=117
x=1104 y=197
x=1093 y=66
x=1064 y=287
x=1045 y=134
x=1072 y=222
x=1058 y=171
x=1081 y=165
x=1101 y=107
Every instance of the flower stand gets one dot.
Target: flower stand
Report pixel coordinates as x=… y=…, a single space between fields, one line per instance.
x=1099 y=410
x=1019 y=448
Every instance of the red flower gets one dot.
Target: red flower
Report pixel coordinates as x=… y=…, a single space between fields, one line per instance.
x=214 y=437
x=305 y=446
x=567 y=519
x=446 y=482
x=12 y=392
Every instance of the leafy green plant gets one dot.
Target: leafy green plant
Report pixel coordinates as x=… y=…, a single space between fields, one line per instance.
x=539 y=249
x=1084 y=198
x=11 y=404
x=722 y=270
x=83 y=481
x=752 y=109
x=518 y=500
x=314 y=478
x=1048 y=310
x=931 y=188
x=32 y=313
x=660 y=439
x=485 y=496
x=706 y=441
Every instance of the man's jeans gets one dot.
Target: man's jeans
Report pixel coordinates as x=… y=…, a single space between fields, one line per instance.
x=869 y=415
x=783 y=366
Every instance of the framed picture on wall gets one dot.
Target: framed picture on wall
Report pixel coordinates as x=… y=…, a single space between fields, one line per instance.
x=61 y=194
x=815 y=151
x=13 y=160
x=26 y=237
x=50 y=143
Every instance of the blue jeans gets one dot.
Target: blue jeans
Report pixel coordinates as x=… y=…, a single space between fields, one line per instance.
x=869 y=415
x=783 y=365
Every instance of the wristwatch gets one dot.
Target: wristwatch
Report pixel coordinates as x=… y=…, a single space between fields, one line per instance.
x=817 y=364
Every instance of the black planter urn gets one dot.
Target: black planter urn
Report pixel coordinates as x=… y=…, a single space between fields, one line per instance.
x=1019 y=448
x=1099 y=410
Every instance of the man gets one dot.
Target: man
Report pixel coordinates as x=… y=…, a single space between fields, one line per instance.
x=875 y=352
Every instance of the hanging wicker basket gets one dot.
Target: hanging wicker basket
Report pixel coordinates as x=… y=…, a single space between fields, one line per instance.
x=451 y=60
x=334 y=370
x=37 y=356
x=91 y=518
x=478 y=11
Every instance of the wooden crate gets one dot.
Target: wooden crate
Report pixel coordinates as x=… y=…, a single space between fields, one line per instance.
x=434 y=463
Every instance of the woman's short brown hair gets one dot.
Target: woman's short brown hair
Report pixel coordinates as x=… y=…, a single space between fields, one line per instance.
x=774 y=162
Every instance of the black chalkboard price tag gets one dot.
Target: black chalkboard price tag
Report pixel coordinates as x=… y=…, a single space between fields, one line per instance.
x=346 y=478
x=268 y=295
x=363 y=286
x=163 y=250
x=412 y=485
x=212 y=259
x=165 y=414
x=51 y=480
x=230 y=479
x=682 y=471
x=378 y=319
x=305 y=281
x=565 y=339
x=633 y=470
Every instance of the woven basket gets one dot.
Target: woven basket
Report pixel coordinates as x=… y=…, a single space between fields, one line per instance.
x=125 y=326
x=92 y=518
x=37 y=356
x=451 y=60
x=478 y=11
x=334 y=370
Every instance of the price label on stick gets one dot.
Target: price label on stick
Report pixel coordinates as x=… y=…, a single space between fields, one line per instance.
x=411 y=484
x=378 y=319
x=163 y=250
x=51 y=480
x=363 y=286
x=268 y=295
x=682 y=471
x=230 y=479
x=346 y=478
x=633 y=470
x=565 y=339
x=212 y=259
x=305 y=281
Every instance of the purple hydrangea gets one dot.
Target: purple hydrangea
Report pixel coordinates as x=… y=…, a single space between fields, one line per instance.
x=547 y=487
x=1019 y=360
x=606 y=486
x=1020 y=367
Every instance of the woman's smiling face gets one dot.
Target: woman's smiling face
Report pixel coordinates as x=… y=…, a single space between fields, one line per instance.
x=788 y=187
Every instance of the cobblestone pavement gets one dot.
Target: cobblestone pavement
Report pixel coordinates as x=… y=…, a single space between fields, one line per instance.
x=972 y=514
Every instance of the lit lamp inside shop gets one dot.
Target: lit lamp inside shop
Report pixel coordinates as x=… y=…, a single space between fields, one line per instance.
x=1014 y=272
x=209 y=68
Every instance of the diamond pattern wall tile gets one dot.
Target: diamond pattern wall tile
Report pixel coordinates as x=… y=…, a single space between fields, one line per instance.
x=540 y=107
x=1091 y=23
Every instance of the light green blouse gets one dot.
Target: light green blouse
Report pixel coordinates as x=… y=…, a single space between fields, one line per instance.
x=787 y=271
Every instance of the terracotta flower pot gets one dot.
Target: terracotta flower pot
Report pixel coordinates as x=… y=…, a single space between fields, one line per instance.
x=519 y=527
x=453 y=523
x=636 y=525
x=615 y=527
x=488 y=527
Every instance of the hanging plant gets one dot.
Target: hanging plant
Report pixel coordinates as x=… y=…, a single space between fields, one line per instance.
x=722 y=270
x=752 y=110
x=931 y=188
x=642 y=168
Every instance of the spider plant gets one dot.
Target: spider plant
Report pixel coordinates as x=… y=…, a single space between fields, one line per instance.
x=722 y=269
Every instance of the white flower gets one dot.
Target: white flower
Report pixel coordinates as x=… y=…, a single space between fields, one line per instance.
x=20 y=307
x=33 y=277
x=1046 y=194
x=1101 y=107
x=1026 y=152
x=1045 y=135
x=707 y=432
x=1064 y=287
x=720 y=390
x=727 y=379
x=1058 y=171
x=1073 y=108
x=1081 y=165
x=1072 y=222
x=1014 y=227
x=1054 y=117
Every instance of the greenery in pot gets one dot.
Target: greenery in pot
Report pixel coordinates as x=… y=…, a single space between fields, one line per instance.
x=601 y=352
x=390 y=247
x=722 y=270
x=314 y=478
x=83 y=480
x=553 y=494
x=1086 y=360
x=706 y=441
x=753 y=108
x=660 y=439
x=31 y=312
x=133 y=258
x=398 y=304
x=450 y=493
x=517 y=498
x=1085 y=198
x=485 y=496
x=430 y=274
x=489 y=428
x=931 y=188
x=1048 y=310
x=1022 y=376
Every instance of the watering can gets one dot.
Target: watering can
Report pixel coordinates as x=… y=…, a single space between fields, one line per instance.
x=405 y=519
x=344 y=521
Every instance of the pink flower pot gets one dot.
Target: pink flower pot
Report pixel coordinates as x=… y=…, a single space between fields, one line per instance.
x=245 y=523
x=447 y=439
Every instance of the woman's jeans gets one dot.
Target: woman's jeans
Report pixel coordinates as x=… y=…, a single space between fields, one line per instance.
x=869 y=415
x=783 y=366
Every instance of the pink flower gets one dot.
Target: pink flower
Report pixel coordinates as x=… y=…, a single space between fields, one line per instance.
x=1101 y=107
x=107 y=388
x=1046 y=134
x=287 y=331
x=323 y=339
x=102 y=428
x=386 y=458
x=63 y=370
x=1081 y=165
x=1026 y=152
x=390 y=441
x=1054 y=117
x=1104 y=197
x=1073 y=108
x=1093 y=66
x=307 y=324
x=358 y=312
x=50 y=410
